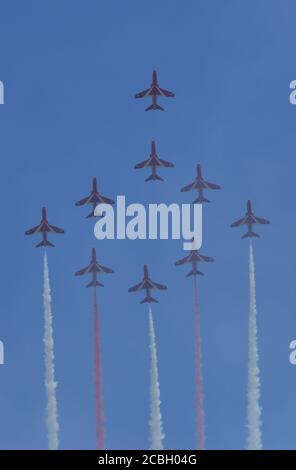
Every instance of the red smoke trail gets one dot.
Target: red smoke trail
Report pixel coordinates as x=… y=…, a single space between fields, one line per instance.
x=200 y=426
x=100 y=432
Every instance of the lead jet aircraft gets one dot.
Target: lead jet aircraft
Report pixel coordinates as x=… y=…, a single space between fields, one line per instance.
x=94 y=268
x=44 y=228
x=200 y=185
x=95 y=198
x=250 y=219
x=153 y=162
x=154 y=91
x=194 y=257
x=148 y=285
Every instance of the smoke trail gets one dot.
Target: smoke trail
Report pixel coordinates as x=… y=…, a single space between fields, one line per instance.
x=254 y=438
x=200 y=415
x=100 y=432
x=50 y=383
x=156 y=431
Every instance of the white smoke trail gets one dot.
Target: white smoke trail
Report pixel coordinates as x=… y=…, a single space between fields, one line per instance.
x=156 y=432
x=254 y=437
x=50 y=383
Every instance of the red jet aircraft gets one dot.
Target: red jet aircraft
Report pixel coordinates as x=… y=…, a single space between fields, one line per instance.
x=249 y=219
x=148 y=285
x=154 y=91
x=44 y=228
x=200 y=184
x=94 y=268
x=153 y=162
x=194 y=257
x=95 y=198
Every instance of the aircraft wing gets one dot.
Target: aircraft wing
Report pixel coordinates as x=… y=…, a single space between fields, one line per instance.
x=105 y=269
x=239 y=222
x=182 y=261
x=82 y=202
x=105 y=200
x=82 y=271
x=33 y=230
x=206 y=258
x=212 y=185
x=166 y=92
x=157 y=286
x=166 y=163
x=188 y=188
x=144 y=93
x=55 y=229
x=137 y=287
x=155 y=162
x=143 y=164
x=94 y=199
x=259 y=220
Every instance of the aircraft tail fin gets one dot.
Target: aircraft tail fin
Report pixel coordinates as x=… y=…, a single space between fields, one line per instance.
x=201 y=200
x=154 y=177
x=148 y=299
x=95 y=284
x=44 y=243
x=250 y=234
x=194 y=272
x=154 y=107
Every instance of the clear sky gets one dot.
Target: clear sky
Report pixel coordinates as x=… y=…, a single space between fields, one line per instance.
x=70 y=70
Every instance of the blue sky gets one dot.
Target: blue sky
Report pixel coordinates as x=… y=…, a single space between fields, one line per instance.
x=70 y=71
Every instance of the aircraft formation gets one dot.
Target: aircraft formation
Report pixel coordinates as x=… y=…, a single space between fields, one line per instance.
x=154 y=162
x=147 y=285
